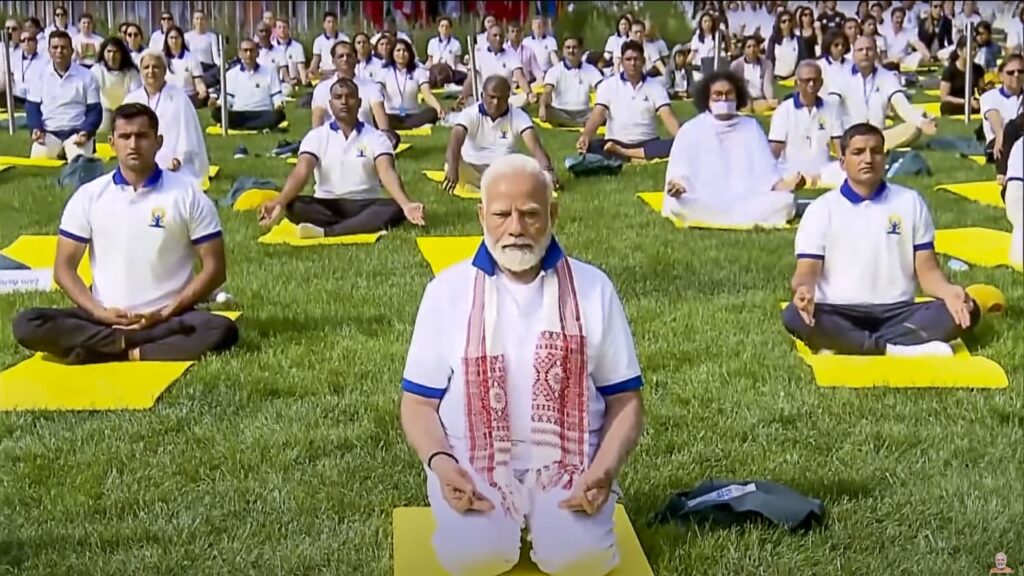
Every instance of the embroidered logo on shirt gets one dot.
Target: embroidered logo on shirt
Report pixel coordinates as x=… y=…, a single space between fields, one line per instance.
x=157 y=218
x=361 y=152
x=895 y=225
x=503 y=135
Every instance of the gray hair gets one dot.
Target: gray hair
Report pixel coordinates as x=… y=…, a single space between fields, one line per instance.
x=153 y=53
x=516 y=166
x=809 y=63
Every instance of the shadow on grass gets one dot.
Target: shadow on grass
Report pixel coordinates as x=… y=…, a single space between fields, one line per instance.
x=13 y=554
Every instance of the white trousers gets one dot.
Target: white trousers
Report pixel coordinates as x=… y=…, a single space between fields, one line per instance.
x=768 y=208
x=52 y=147
x=1015 y=213
x=563 y=543
x=829 y=176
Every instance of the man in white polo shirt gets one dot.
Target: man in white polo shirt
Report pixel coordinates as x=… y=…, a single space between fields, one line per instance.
x=859 y=250
x=567 y=86
x=349 y=161
x=294 y=54
x=371 y=95
x=630 y=103
x=805 y=131
x=497 y=60
x=144 y=229
x=1000 y=105
x=271 y=55
x=486 y=132
x=867 y=92
x=521 y=393
x=322 y=64
x=899 y=40
x=544 y=46
x=63 y=106
x=254 y=101
x=1013 y=197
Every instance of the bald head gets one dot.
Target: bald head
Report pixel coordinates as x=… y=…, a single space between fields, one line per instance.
x=495 y=38
x=495 y=95
x=517 y=214
x=865 y=54
x=808 y=81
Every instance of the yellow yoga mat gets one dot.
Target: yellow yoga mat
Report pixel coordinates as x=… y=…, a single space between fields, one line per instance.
x=985 y=192
x=414 y=555
x=39 y=252
x=217 y=130
x=4 y=167
x=979 y=160
x=654 y=201
x=978 y=246
x=252 y=199
x=931 y=92
x=31 y=162
x=461 y=191
x=601 y=131
x=286 y=233
x=443 y=251
x=788 y=82
x=41 y=383
x=105 y=151
x=420 y=131
x=402 y=147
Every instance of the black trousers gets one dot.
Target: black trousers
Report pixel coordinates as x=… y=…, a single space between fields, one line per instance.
x=415 y=120
x=342 y=217
x=653 y=148
x=74 y=336
x=211 y=76
x=262 y=120
x=866 y=330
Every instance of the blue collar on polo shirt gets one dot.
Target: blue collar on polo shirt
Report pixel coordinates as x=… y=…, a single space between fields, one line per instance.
x=287 y=44
x=842 y=59
x=357 y=127
x=244 y=69
x=1005 y=94
x=485 y=262
x=499 y=51
x=567 y=67
x=854 y=71
x=329 y=38
x=181 y=56
x=542 y=37
x=149 y=182
x=798 y=103
x=643 y=77
x=483 y=112
x=850 y=194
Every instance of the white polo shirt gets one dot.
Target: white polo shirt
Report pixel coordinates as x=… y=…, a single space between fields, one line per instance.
x=346 y=167
x=183 y=70
x=542 y=48
x=322 y=46
x=488 y=140
x=613 y=45
x=1015 y=163
x=401 y=88
x=203 y=46
x=632 y=111
x=571 y=86
x=867 y=245
x=369 y=68
x=503 y=63
x=654 y=50
x=156 y=40
x=806 y=131
x=398 y=33
x=433 y=368
x=369 y=92
x=833 y=71
x=294 y=54
x=866 y=99
x=27 y=70
x=141 y=243
x=255 y=90
x=1000 y=100
x=703 y=48
x=445 y=51
x=64 y=99
x=88 y=47
x=899 y=42
x=273 y=57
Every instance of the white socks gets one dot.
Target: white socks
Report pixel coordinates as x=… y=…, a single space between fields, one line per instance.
x=933 y=348
x=307 y=230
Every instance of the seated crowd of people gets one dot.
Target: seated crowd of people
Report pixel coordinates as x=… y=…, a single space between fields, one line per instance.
x=863 y=248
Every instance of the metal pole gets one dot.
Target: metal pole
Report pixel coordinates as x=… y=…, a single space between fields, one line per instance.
x=472 y=67
x=968 y=85
x=718 y=34
x=9 y=74
x=223 y=87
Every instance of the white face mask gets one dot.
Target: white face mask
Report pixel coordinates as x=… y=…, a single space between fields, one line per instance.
x=723 y=107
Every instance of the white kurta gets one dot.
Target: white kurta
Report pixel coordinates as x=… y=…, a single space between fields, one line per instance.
x=1015 y=200
x=179 y=125
x=728 y=171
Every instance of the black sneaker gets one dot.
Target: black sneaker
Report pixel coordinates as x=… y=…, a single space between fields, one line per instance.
x=241 y=152
x=285 y=148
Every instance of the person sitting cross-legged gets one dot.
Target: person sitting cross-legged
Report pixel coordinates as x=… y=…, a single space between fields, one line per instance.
x=759 y=74
x=630 y=104
x=567 y=86
x=522 y=393
x=144 y=228
x=404 y=80
x=721 y=169
x=486 y=132
x=371 y=94
x=63 y=106
x=859 y=250
x=255 y=101
x=349 y=161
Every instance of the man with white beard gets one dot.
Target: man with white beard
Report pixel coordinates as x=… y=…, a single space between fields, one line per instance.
x=521 y=392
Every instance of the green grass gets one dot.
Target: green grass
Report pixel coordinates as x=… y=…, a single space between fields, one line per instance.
x=284 y=456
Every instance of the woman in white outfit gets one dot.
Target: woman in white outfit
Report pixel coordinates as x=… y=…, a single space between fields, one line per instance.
x=184 y=69
x=117 y=77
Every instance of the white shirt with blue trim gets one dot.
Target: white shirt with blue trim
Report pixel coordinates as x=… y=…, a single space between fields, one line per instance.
x=322 y=46
x=294 y=54
x=433 y=367
x=867 y=98
x=346 y=167
x=402 y=88
x=502 y=63
x=445 y=51
x=488 y=139
x=632 y=110
x=253 y=90
x=867 y=245
x=542 y=48
x=571 y=85
x=806 y=131
x=63 y=98
x=141 y=242
x=369 y=92
x=1000 y=100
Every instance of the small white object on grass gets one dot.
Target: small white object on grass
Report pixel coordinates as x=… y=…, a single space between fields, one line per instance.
x=223 y=298
x=957 y=265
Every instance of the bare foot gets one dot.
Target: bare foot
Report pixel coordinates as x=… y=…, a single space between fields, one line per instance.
x=613 y=148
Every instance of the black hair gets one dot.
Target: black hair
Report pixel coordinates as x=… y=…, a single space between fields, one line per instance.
x=411 y=64
x=446 y=19
x=777 y=36
x=628 y=19
x=136 y=110
x=86 y=16
x=167 y=45
x=631 y=45
x=899 y=9
x=702 y=92
x=334 y=47
x=347 y=83
x=58 y=35
x=330 y=14
x=126 y=58
x=34 y=21
x=830 y=38
x=700 y=27
x=862 y=129
x=638 y=22
x=1011 y=58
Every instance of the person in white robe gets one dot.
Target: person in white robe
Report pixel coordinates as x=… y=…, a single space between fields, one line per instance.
x=524 y=415
x=183 y=149
x=721 y=170
x=1014 y=200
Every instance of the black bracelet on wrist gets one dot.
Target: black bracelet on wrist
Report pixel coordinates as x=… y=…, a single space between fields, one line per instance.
x=430 y=459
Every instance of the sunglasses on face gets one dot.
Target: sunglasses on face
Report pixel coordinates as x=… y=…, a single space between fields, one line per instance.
x=784 y=21
x=60 y=14
x=28 y=39
x=1013 y=72
x=166 y=19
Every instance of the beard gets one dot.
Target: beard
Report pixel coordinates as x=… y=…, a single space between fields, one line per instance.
x=521 y=257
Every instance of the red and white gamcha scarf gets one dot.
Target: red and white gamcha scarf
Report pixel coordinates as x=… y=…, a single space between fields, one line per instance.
x=559 y=420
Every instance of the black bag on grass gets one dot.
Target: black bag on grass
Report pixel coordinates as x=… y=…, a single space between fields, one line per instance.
x=730 y=503
x=80 y=170
x=907 y=163
x=592 y=165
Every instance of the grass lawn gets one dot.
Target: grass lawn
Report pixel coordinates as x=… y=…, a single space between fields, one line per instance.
x=284 y=456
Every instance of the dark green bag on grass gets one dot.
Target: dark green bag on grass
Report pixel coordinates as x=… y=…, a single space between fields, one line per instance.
x=79 y=171
x=592 y=165
x=907 y=163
